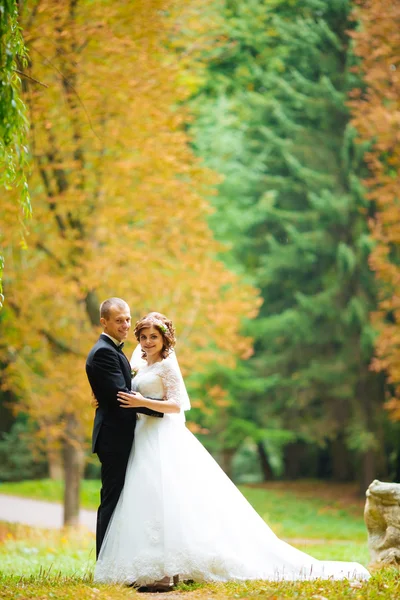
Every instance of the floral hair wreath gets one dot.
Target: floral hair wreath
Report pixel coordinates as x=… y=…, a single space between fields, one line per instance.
x=159 y=324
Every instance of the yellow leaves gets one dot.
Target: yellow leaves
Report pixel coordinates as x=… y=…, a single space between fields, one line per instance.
x=219 y=396
x=120 y=204
x=195 y=428
x=393 y=407
x=376 y=116
x=191 y=82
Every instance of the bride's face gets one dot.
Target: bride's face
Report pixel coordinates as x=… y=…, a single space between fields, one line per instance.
x=151 y=342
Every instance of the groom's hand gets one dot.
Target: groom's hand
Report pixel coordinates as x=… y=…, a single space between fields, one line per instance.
x=131 y=400
x=94 y=402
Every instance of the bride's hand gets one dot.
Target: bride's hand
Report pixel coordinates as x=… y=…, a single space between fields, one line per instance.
x=130 y=400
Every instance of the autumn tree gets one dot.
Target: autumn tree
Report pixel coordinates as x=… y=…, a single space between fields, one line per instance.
x=119 y=210
x=376 y=114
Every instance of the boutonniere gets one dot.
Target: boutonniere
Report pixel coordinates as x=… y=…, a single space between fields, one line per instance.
x=134 y=372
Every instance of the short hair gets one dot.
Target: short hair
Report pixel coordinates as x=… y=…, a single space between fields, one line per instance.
x=163 y=325
x=105 y=307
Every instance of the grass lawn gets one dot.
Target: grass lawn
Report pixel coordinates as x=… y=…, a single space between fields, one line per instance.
x=46 y=565
x=52 y=491
x=323 y=520
x=384 y=586
x=310 y=510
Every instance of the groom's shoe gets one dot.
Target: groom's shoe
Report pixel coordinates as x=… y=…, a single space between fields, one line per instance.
x=156 y=588
x=159 y=587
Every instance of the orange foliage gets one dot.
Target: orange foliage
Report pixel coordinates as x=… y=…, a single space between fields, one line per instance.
x=376 y=115
x=119 y=204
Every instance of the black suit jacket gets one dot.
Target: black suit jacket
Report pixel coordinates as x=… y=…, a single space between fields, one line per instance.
x=109 y=372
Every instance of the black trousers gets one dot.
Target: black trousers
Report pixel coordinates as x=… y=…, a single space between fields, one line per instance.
x=113 y=469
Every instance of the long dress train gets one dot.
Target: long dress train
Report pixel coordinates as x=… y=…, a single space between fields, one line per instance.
x=180 y=514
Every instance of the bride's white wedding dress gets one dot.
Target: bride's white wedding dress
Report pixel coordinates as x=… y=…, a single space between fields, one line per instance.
x=180 y=514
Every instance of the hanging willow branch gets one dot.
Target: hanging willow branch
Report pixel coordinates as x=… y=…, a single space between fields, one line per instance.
x=13 y=116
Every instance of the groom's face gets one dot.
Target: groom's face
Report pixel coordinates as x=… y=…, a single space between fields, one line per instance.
x=118 y=323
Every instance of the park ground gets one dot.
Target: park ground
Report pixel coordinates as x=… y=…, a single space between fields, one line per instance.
x=321 y=519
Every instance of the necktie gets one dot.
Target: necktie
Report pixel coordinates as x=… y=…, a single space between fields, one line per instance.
x=120 y=347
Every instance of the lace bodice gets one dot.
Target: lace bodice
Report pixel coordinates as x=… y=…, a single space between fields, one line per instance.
x=158 y=381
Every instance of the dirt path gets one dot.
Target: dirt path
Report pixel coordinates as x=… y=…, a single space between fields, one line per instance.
x=37 y=513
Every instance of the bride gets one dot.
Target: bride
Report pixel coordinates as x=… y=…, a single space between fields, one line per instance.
x=179 y=514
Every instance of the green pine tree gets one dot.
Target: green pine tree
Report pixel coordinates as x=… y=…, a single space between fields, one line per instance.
x=272 y=118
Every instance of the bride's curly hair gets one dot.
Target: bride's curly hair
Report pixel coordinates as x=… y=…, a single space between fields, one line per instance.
x=163 y=325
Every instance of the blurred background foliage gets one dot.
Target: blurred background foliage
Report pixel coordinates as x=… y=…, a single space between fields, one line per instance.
x=234 y=165
x=13 y=122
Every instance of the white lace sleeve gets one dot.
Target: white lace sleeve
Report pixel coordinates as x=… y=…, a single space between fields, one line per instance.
x=171 y=382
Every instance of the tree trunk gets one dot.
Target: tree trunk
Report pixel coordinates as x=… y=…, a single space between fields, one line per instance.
x=373 y=462
x=341 y=463
x=227 y=455
x=73 y=466
x=264 y=462
x=293 y=459
x=368 y=470
x=92 y=307
x=55 y=464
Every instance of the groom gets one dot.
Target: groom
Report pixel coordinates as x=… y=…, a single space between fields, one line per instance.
x=109 y=372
